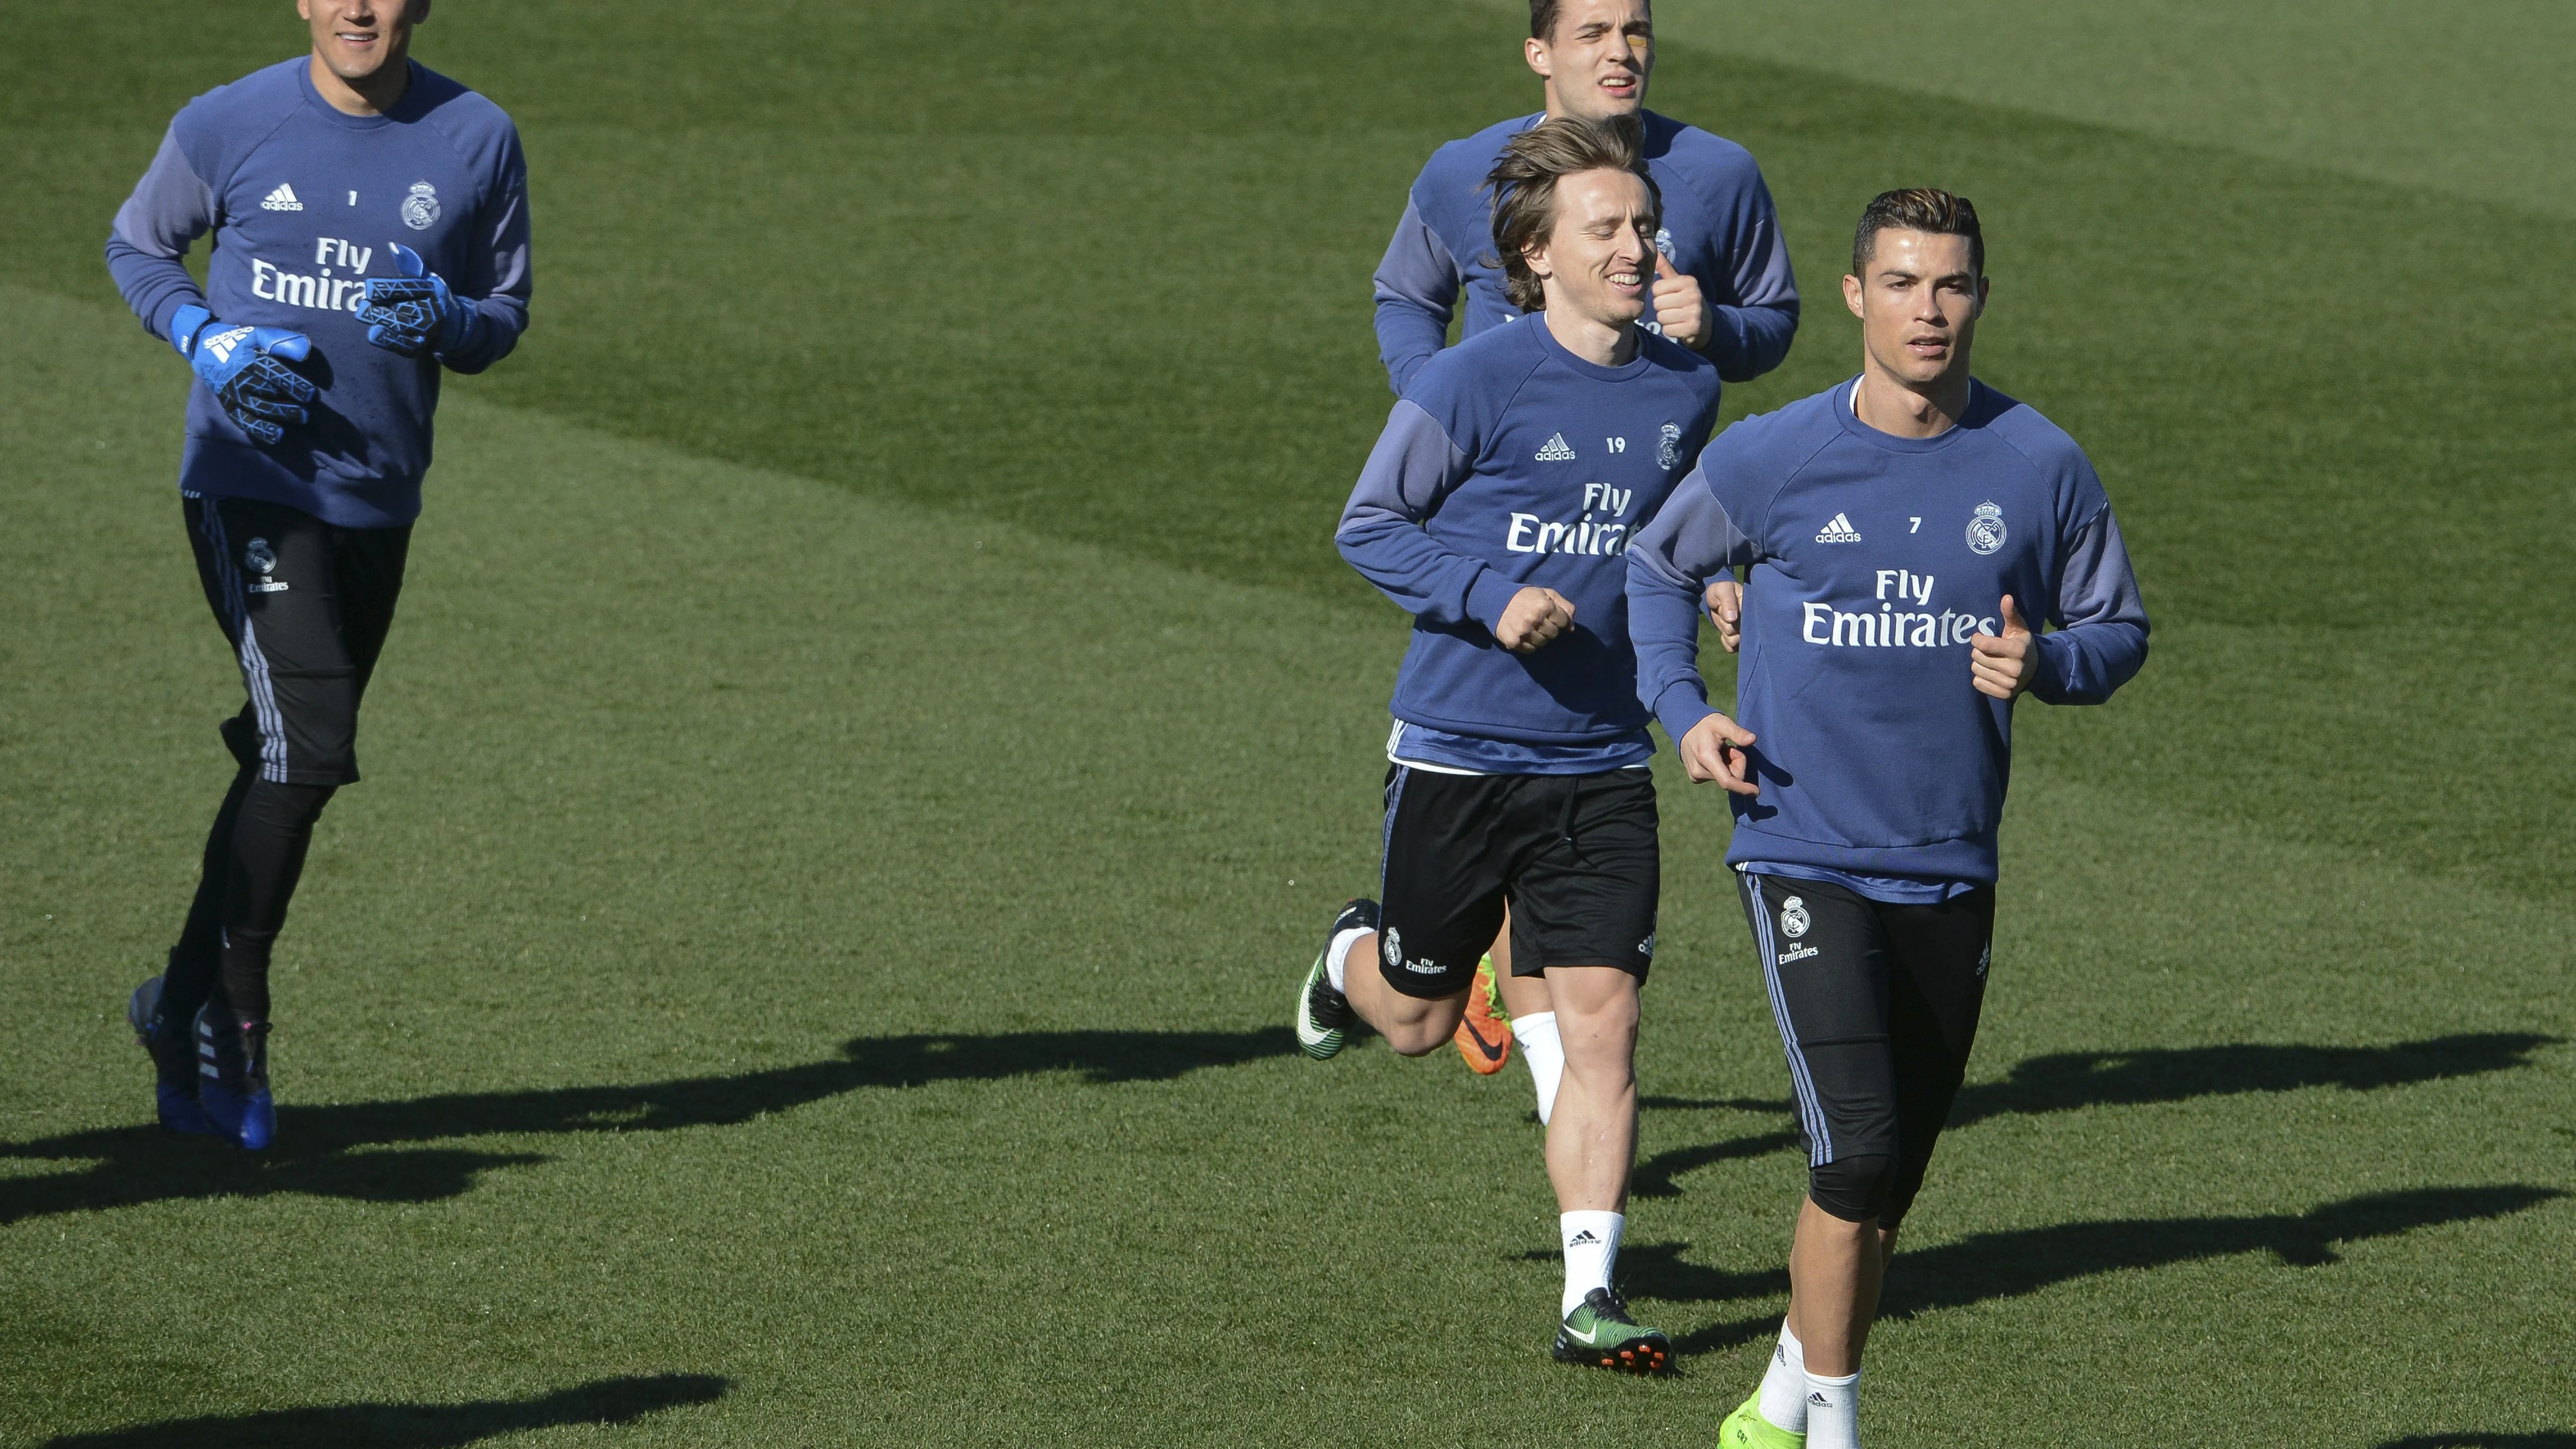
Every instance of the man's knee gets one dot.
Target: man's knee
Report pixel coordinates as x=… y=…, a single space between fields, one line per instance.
x=1853 y=1189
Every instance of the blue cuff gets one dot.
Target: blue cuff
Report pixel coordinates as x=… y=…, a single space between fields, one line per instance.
x=1683 y=705
x=1489 y=596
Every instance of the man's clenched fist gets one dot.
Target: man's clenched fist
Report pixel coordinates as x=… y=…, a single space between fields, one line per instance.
x=1680 y=311
x=1533 y=619
x=2005 y=665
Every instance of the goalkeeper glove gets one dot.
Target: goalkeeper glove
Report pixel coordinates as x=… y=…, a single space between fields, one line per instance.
x=415 y=312
x=240 y=365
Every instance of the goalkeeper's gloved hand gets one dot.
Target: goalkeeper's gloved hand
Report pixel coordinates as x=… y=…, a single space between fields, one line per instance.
x=241 y=365
x=415 y=312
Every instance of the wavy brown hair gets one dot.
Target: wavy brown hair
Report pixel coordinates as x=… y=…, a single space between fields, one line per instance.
x=1523 y=184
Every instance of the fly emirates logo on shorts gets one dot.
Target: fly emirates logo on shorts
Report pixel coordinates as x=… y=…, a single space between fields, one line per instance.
x=1895 y=622
x=1589 y=534
x=322 y=289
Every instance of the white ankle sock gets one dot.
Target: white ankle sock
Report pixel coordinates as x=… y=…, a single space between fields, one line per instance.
x=1545 y=1053
x=1833 y=1412
x=1336 y=956
x=1784 y=1385
x=1591 y=1250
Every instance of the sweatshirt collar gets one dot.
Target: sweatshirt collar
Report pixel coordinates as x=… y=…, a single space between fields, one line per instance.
x=1848 y=393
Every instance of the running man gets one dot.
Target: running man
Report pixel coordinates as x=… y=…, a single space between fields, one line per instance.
x=1722 y=288
x=1494 y=509
x=1901 y=527
x=370 y=227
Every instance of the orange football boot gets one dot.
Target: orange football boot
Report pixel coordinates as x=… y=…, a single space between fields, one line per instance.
x=1484 y=1035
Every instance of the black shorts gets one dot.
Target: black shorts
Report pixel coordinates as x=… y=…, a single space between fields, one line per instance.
x=1574 y=855
x=306 y=606
x=1877 y=1006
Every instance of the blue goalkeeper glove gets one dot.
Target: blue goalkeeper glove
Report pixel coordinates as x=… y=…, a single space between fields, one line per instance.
x=241 y=365
x=414 y=312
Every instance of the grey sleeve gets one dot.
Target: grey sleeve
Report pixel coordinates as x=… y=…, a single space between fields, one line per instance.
x=497 y=280
x=171 y=207
x=1753 y=337
x=1668 y=565
x=1416 y=286
x=1413 y=467
x=2101 y=638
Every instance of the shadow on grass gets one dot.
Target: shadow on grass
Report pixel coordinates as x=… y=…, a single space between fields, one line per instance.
x=2010 y=1265
x=2066 y=1081
x=414 y=1426
x=2545 y=1439
x=1654 y=1176
x=133 y=1165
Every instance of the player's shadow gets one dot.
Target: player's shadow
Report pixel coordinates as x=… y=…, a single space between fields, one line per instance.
x=2545 y=1439
x=133 y=1165
x=1654 y=1176
x=2013 y=1264
x=414 y=1426
x=2065 y=1081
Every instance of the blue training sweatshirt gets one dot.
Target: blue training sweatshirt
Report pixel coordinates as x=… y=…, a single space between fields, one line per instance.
x=305 y=203
x=1514 y=463
x=1874 y=560
x=1719 y=226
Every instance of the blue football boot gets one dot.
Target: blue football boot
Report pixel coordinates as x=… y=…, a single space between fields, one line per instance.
x=174 y=1066
x=232 y=1082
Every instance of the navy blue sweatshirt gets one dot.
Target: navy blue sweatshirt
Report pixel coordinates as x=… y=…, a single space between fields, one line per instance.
x=1719 y=226
x=1874 y=560
x=305 y=204
x=1514 y=463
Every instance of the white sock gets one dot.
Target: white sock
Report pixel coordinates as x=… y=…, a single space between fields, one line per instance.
x=1335 y=956
x=1833 y=1412
x=1544 y=1050
x=1591 y=1250
x=1784 y=1384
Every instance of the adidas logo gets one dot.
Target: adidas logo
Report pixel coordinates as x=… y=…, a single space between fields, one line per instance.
x=1819 y=1399
x=1556 y=451
x=282 y=199
x=1582 y=1238
x=1839 y=531
x=223 y=343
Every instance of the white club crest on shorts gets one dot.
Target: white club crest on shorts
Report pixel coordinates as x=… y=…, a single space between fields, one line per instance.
x=258 y=557
x=1668 y=453
x=1793 y=917
x=420 y=209
x=1391 y=946
x=1986 y=530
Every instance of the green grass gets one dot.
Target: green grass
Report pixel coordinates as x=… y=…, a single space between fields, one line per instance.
x=876 y=721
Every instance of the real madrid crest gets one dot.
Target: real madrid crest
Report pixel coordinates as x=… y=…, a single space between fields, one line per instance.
x=1986 y=531
x=1391 y=946
x=258 y=557
x=1793 y=917
x=1668 y=453
x=420 y=209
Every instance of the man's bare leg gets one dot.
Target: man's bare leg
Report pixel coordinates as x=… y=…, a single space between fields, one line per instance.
x=1412 y=1025
x=1592 y=1141
x=1533 y=1011
x=1835 y=1269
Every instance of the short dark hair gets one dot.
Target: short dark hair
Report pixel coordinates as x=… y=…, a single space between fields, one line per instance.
x=1523 y=184
x=1543 y=17
x=1917 y=208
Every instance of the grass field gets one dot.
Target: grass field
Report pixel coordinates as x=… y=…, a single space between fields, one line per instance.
x=877 y=722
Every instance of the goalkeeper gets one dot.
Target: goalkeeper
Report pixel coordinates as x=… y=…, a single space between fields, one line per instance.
x=370 y=230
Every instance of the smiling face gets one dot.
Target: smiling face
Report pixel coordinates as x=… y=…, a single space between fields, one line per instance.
x=1918 y=305
x=1597 y=59
x=358 y=39
x=1598 y=259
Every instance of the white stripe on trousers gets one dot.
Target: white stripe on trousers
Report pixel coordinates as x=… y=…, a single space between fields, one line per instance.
x=254 y=664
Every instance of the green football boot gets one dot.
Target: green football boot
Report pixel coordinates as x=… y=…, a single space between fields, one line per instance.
x=1323 y=1014
x=1600 y=1333
x=1747 y=1429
